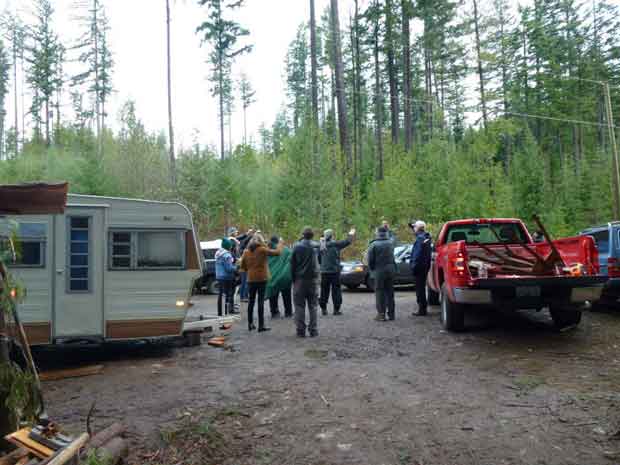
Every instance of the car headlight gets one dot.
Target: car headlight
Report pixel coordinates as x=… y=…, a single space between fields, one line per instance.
x=358 y=269
x=346 y=269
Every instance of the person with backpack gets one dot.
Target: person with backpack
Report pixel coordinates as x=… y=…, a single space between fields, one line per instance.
x=225 y=271
x=329 y=257
x=420 y=263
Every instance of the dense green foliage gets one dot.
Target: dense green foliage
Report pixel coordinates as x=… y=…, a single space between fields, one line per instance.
x=537 y=61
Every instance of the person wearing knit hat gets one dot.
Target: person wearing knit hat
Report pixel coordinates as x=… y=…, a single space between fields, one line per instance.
x=225 y=271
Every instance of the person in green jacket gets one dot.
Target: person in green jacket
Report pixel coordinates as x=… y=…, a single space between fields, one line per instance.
x=281 y=281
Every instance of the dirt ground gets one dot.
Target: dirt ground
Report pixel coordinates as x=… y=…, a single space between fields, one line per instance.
x=509 y=391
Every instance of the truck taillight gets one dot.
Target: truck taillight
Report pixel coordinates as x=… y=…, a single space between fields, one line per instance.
x=613 y=267
x=459 y=264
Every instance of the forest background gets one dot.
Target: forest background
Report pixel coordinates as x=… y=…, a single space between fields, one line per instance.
x=396 y=110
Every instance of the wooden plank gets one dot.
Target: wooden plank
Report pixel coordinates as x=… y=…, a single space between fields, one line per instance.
x=13 y=457
x=71 y=373
x=20 y=438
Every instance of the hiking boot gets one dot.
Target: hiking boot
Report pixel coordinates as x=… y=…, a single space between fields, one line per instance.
x=263 y=329
x=251 y=327
x=301 y=334
x=392 y=317
x=314 y=334
x=380 y=317
x=324 y=311
x=337 y=312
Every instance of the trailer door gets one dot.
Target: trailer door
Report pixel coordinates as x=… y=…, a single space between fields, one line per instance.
x=79 y=262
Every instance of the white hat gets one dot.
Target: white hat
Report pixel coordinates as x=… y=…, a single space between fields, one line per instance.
x=420 y=225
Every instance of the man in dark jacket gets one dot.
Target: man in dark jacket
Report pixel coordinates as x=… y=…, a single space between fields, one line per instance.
x=330 y=269
x=305 y=272
x=421 y=264
x=383 y=268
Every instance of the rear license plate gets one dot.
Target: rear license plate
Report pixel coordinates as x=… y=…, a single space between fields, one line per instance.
x=529 y=291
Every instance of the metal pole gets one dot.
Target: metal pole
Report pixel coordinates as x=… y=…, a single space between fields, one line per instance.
x=615 y=175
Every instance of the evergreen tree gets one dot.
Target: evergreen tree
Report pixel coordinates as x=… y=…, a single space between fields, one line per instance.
x=223 y=35
x=43 y=56
x=247 y=99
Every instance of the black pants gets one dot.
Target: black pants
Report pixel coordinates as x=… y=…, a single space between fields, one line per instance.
x=257 y=292
x=330 y=282
x=384 y=294
x=287 y=300
x=420 y=289
x=225 y=292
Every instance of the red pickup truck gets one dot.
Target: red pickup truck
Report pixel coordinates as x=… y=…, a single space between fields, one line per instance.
x=495 y=263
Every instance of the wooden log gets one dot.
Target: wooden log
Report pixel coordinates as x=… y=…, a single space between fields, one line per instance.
x=71 y=373
x=114 y=451
x=554 y=257
x=105 y=435
x=14 y=457
x=64 y=455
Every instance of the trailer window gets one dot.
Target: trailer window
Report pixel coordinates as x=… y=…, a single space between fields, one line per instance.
x=29 y=245
x=157 y=250
x=161 y=250
x=79 y=254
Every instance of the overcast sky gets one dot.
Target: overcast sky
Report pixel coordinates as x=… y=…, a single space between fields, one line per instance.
x=138 y=39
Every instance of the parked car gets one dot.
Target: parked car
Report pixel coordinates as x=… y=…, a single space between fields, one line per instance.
x=607 y=240
x=354 y=274
x=461 y=279
x=207 y=283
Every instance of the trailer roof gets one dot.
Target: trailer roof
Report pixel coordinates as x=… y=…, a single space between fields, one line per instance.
x=33 y=199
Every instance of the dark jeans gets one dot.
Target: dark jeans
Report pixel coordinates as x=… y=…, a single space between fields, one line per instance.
x=330 y=281
x=420 y=289
x=286 y=300
x=384 y=294
x=226 y=289
x=243 y=289
x=257 y=292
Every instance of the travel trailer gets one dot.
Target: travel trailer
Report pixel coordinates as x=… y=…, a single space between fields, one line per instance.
x=108 y=269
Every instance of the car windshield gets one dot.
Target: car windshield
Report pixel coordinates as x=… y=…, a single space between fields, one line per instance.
x=495 y=233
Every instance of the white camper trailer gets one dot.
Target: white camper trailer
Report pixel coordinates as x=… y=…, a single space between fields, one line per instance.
x=107 y=269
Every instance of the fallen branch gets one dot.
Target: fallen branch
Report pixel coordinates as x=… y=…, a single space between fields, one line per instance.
x=105 y=435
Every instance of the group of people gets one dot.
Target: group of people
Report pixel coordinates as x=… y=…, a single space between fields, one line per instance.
x=270 y=270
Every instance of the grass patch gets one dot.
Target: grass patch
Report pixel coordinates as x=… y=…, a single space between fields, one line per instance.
x=316 y=354
x=528 y=383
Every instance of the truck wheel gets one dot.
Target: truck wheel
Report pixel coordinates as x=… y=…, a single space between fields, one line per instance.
x=431 y=296
x=564 y=317
x=452 y=315
x=212 y=287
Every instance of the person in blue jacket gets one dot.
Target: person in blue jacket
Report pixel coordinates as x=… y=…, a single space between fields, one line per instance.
x=225 y=271
x=420 y=263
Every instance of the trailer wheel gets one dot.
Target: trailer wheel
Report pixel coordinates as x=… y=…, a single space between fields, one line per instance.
x=431 y=296
x=564 y=317
x=452 y=315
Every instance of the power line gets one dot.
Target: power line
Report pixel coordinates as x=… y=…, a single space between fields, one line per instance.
x=563 y=120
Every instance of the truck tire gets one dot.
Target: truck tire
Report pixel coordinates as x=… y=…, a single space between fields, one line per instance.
x=431 y=296
x=564 y=317
x=452 y=316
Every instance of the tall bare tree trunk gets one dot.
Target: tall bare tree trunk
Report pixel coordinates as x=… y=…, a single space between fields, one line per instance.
x=315 y=89
x=483 y=99
x=221 y=84
x=97 y=83
x=407 y=73
x=345 y=143
x=378 y=103
x=358 y=92
x=391 y=65
x=15 y=86
x=171 y=154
